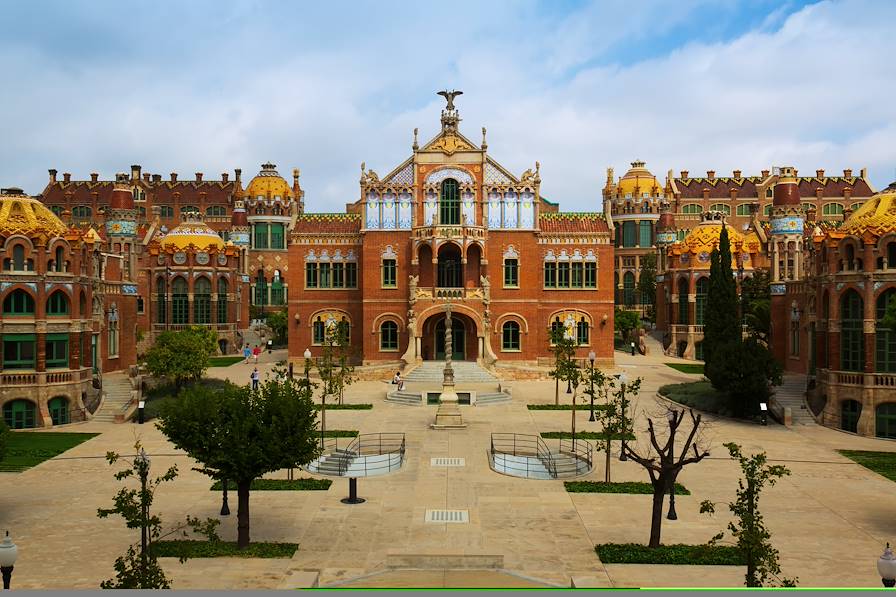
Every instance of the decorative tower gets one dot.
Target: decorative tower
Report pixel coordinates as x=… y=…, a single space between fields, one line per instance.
x=785 y=252
x=121 y=222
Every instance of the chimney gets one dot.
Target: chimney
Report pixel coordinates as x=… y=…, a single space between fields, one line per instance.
x=847 y=173
x=66 y=177
x=737 y=174
x=795 y=173
x=237 y=172
x=863 y=172
x=706 y=193
x=765 y=174
x=157 y=178
x=811 y=213
x=135 y=172
x=732 y=193
x=94 y=176
x=710 y=174
x=199 y=177
x=224 y=177
x=819 y=173
x=52 y=172
x=295 y=177
x=174 y=177
x=146 y=176
x=684 y=173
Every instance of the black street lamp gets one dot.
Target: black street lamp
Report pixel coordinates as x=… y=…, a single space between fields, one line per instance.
x=886 y=567
x=623 y=379
x=8 y=554
x=225 y=509
x=672 y=515
x=591 y=357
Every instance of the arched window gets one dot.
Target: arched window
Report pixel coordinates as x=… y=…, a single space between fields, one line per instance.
x=318 y=331
x=700 y=305
x=449 y=203
x=166 y=211
x=162 y=299
x=57 y=210
x=583 y=330
x=628 y=289
x=389 y=336
x=691 y=208
x=850 y=410
x=683 y=301
x=202 y=301
x=725 y=209
x=645 y=233
x=18 y=258
x=180 y=305
x=186 y=209
x=743 y=209
x=18 y=302
x=59 y=411
x=850 y=256
x=885 y=421
x=510 y=336
x=261 y=289
x=884 y=337
x=852 y=339
x=57 y=304
x=222 y=300
x=82 y=212
x=832 y=209
x=278 y=291
x=59 y=264
x=20 y=414
x=215 y=211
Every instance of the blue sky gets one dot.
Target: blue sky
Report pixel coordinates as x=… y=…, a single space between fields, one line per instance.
x=579 y=86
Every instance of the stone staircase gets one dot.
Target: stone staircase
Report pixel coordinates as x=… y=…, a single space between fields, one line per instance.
x=464 y=372
x=492 y=398
x=330 y=464
x=117 y=391
x=791 y=393
x=405 y=397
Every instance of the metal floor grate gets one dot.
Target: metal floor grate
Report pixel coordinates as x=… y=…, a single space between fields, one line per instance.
x=448 y=462
x=445 y=516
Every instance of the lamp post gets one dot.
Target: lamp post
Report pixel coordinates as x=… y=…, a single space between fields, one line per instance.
x=8 y=554
x=591 y=357
x=623 y=379
x=141 y=463
x=672 y=515
x=225 y=508
x=886 y=567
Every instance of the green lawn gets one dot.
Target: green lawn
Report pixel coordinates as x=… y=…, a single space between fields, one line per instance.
x=303 y=484
x=882 y=463
x=699 y=395
x=678 y=554
x=694 y=368
x=218 y=549
x=579 y=435
x=27 y=448
x=586 y=407
x=223 y=361
x=636 y=487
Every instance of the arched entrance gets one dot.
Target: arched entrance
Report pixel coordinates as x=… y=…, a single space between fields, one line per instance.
x=463 y=338
x=458 y=340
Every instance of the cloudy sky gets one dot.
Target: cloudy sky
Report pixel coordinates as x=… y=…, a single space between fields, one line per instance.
x=579 y=86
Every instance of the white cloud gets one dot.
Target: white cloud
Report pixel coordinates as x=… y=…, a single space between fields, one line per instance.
x=325 y=94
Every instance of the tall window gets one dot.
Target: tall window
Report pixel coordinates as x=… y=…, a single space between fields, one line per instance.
x=59 y=411
x=628 y=289
x=161 y=292
x=216 y=211
x=683 y=302
x=582 y=331
x=550 y=274
x=389 y=273
x=278 y=292
x=81 y=212
x=351 y=274
x=884 y=337
x=261 y=236
x=725 y=209
x=277 y=241
x=261 y=289
x=700 y=306
x=18 y=302
x=57 y=351
x=310 y=275
x=19 y=351
x=389 y=336
x=590 y=274
x=59 y=260
x=18 y=258
x=645 y=234
x=338 y=275
x=113 y=332
x=57 y=304
x=222 y=300
x=202 y=301
x=318 y=332
x=691 y=208
x=166 y=211
x=511 y=273
x=743 y=209
x=767 y=210
x=794 y=338
x=510 y=336
x=449 y=203
x=179 y=302
x=852 y=340
x=629 y=231
x=832 y=209
x=20 y=414
x=324 y=279
x=578 y=274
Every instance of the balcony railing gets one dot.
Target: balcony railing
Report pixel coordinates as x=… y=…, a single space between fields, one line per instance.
x=449 y=293
x=445 y=231
x=43 y=378
x=176 y=327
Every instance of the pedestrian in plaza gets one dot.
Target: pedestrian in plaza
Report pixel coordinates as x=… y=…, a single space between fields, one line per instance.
x=255 y=377
x=255 y=352
x=397 y=380
x=247 y=353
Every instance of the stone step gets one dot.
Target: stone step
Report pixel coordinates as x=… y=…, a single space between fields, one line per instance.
x=492 y=398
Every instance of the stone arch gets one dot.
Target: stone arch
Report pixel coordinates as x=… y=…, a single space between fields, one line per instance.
x=524 y=323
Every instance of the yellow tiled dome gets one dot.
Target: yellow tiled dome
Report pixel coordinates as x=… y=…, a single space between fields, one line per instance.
x=877 y=215
x=638 y=177
x=703 y=238
x=192 y=231
x=269 y=184
x=21 y=214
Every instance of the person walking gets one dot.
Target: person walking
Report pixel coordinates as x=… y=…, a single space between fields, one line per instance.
x=255 y=377
x=255 y=352
x=247 y=353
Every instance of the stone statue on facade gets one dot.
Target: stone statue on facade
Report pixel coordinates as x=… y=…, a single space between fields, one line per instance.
x=412 y=289
x=486 y=289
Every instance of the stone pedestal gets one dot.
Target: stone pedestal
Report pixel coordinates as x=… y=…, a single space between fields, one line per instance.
x=448 y=416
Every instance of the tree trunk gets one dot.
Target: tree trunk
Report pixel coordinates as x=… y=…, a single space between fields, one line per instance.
x=656 y=520
x=242 y=515
x=607 y=471
x=557 y=390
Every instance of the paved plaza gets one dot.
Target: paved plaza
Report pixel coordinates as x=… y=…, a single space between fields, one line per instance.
x=830 y=519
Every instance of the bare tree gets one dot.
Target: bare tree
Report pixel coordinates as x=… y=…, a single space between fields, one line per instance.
x=663 y=465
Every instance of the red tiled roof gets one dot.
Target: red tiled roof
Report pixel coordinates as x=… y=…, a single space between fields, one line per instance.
x=80 y=192
x=833 y=186
x=573 y=222
x=719 y=188
x=327 y=223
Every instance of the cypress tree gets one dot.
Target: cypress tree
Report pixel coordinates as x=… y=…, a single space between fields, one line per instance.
x=721 y=322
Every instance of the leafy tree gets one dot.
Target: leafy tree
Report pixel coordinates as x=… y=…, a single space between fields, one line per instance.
x=647 y=283
x=334 y=366
x=756 y=300
x=721 y=322
x=744 y=370
x=137 y=570
x=277 y=321
x=625 y=321
x=748 y=528
x=663 y=465
x=182 y=355
x=889 y=320
x=4 y=438
x=614 y=417
x=564 y=349
x=239 y=434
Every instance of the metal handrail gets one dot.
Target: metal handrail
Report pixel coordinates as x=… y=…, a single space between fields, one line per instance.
x=556 y=464
x=365 y=444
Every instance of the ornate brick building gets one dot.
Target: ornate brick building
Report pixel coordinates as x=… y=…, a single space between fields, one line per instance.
x=450 y=224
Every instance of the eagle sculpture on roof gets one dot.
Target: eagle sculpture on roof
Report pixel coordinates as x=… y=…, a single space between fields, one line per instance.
x=449 y=96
